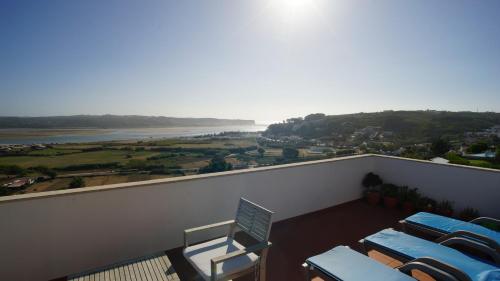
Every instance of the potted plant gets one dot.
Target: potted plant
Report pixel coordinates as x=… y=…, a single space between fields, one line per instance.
x=468 y=214
x=390 y=194
x=426 y=204
x=371 y=182
x=445 y=208
x=409 y=198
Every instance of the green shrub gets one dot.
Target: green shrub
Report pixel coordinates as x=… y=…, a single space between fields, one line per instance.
x=261 y=151
x=426 y=203
x=12 y=170
x=217 y=164
x=389 y=190
x=290 y=153
x=440 y=147
x=137 y=164
x=77 y=182
x=445 y=206
x=46 y=171
x=409 y=195
x=162 y=156
x=477 y=147
x=371 y=181
x=456 y=159
x=468 y=214
x=88 y=166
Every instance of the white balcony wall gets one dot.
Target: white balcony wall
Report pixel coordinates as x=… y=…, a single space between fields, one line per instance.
x=465 y=186
x=54 y=234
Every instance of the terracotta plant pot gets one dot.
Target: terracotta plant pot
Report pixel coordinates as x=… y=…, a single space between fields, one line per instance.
x=408 y=207
x=373 y=197
x=390 y=202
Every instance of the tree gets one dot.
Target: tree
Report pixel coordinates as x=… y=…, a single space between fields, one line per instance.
x=314 y=116
x=497 y=155
x=12 y=170
x=239 y=150
x=51 y=174
x=77 y=182
x=295 y=120
x=217 y=164
x=440 y=147
x=137 y=164
x=261 y=152
x=477 y=147
x=290 y=153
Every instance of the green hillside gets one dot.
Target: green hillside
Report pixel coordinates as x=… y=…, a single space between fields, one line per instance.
x=408 y=126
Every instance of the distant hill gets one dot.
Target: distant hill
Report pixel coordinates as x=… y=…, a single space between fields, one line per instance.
x=114 y=121
x=411 y=126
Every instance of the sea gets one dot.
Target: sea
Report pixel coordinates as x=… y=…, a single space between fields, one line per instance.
x=19 y=136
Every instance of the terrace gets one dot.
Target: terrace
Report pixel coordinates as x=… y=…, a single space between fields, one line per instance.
x=298 y=238
x=55 y=234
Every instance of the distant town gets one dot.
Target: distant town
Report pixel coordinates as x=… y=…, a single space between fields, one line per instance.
x=47 y=167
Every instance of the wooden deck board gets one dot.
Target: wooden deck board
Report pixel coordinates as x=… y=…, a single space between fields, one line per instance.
x=131 y=272
x=172 y=275
x=161 y=272
x=146 y=270
x=155 y=267
x=159 y=268
x=142 y=270
x=116 y=272
x=138 y=275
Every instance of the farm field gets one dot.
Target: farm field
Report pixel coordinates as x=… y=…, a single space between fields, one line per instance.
x=62 y=183
x=72 y=165
x=52 y=160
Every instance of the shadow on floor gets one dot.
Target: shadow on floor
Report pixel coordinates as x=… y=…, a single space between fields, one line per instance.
x=300 y=237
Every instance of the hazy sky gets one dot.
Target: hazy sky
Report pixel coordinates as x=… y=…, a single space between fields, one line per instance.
x=258 y=59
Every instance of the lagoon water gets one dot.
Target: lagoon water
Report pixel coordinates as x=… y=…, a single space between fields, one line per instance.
x=81 y=136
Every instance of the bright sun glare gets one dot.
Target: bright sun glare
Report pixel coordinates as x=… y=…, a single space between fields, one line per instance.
x=293 y=11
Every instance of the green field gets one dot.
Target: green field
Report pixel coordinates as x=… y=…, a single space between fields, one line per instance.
x=203 y=143
x=93 y=157
x=53 y=152
x=103 y=163
x=63 y=183
x=484 y=164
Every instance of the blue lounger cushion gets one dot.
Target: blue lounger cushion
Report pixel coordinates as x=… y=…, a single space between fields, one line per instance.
x=410 y=247
x=342 y=263
x=448 y=225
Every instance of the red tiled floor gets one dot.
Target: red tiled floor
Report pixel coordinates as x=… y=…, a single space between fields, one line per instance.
x=300 y=237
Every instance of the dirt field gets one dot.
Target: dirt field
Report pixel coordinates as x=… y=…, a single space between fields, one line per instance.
x=63 y=183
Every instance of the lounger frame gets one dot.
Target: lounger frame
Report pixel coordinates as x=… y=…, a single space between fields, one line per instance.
x=454 y=271
x=409 y=226
x=430 y=266
x=480 y=243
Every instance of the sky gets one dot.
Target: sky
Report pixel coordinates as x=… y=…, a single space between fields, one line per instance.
x=265 y=60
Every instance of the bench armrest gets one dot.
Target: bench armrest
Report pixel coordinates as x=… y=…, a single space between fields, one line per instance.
x=187 y=232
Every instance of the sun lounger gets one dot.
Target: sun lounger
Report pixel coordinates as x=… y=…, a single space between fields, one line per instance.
x=437 y=225
x=405 y=247
x=342 y=263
